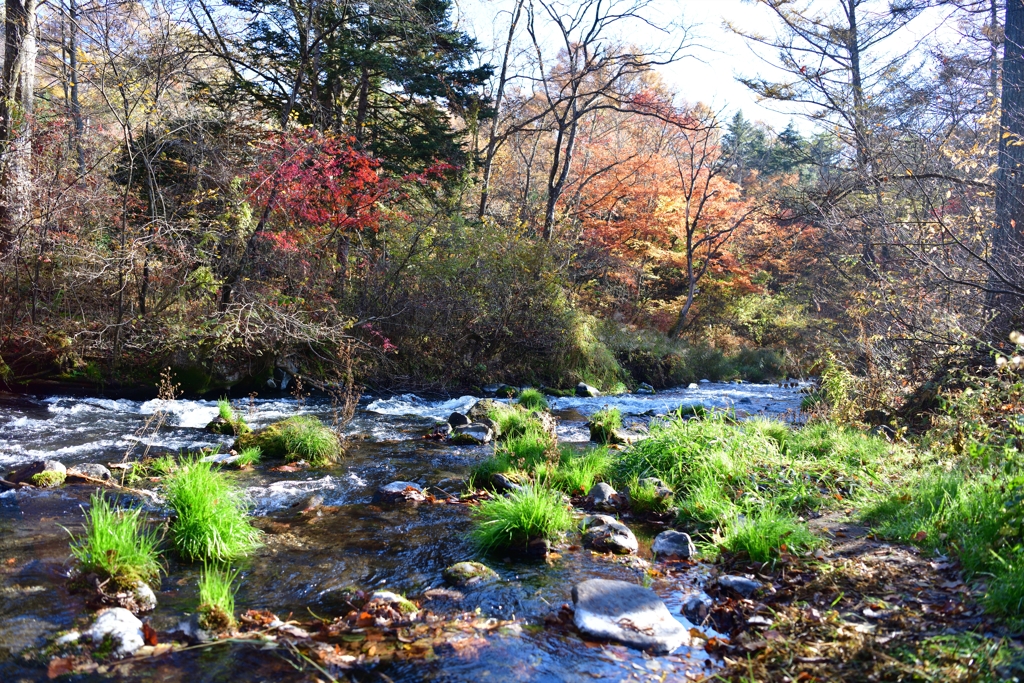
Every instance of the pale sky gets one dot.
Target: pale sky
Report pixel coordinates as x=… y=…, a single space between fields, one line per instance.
x=718 y=56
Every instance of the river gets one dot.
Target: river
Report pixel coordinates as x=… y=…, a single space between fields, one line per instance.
x=307 y=565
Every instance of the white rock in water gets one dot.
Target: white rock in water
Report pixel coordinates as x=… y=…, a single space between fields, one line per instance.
x=627 y=613
x=692 y=385
x=122 y=627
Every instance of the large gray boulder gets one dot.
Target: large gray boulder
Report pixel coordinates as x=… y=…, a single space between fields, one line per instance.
x=606 y=534
x=673 y=544
x=481 y=409
x=122 y=628
x=585 y=390
x=627 y=613
x=458 y=420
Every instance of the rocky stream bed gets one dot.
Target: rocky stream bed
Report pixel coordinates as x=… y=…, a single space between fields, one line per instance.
x=327 y=544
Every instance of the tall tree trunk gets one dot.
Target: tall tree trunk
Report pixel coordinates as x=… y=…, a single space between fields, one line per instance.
x=16 y=102
x=1007 y=283
x=76 y=107
x=492 y=139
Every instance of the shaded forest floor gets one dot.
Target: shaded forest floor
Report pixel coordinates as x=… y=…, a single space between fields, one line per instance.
x=861 y=609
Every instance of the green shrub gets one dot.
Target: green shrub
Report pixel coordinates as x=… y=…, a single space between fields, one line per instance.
x=217 y=599
x=603 y=423
x=48 y=478
x=249 y=457
x=513 y=521
x=116 y=544
x=211 y=517
x=532 y=399
x=766 y=532
x=759 y=365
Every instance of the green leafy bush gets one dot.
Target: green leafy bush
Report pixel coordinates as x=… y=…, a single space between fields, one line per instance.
x=116 y=544
x=211 y=518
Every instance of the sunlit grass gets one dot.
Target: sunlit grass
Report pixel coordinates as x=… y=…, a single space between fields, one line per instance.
x=217 y=598
x=533 y=399
x=116 y=544
x=512 y=521
x=211 y=520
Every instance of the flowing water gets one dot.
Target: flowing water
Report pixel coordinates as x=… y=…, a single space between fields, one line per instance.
x=309 y=563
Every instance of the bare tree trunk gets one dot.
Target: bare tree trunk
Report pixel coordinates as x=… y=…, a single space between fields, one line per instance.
x=16 y=103
x=492 y=139
x=1007 y=284
x=76 y=107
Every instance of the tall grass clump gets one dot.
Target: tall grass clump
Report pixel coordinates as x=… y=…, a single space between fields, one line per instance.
x=512 y=420
x=302 y=437
x=577 y=473
x=249 y=457
x=211 y=515
x=646 y=496
x=306 y=438
x=217 y=598
x=116 y=544
x=533 y=399
x=766 y=532
x=603 y=423
x=227 y=413
x=511 y=522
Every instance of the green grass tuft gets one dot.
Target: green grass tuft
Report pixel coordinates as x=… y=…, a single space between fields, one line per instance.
x=217 y=598
x=116 y=544
x=249 y=457
x=576 y=473
x=163 y=465
x=512 y=521
x=48 y=478
x=766 y=532
x=533 y=399
x=212 y=520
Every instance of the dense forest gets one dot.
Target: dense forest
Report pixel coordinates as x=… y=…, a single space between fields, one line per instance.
x=229 y=188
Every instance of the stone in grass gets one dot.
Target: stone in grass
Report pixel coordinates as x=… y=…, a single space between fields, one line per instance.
x=122 y=628
x=627 y=613
x=606 y=534
x=603 y=497
x=669 y=544
x=740 y=585
x=143 y=597
x=469 y=573
x=90 y=471
x=481 y=409
x=399 y=492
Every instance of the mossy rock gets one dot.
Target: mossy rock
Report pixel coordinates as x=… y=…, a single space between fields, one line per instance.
x=302 y=437
x=270 y=441
x=219 y=425
x=466 y=573
x=48 y=479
